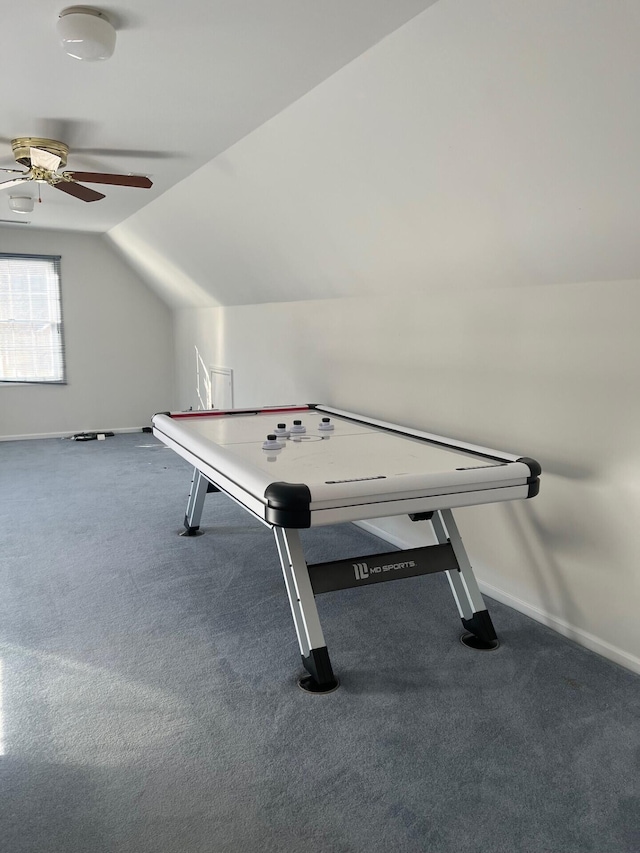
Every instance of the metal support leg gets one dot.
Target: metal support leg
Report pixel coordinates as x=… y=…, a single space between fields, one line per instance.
x=195 y=504
x=313 y=650
x=473 y=611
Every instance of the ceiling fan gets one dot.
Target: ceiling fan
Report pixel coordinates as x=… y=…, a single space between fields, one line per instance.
x=43 y=158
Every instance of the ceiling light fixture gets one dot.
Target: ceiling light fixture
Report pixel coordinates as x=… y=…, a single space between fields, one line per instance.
x=21 y=203
x=86 y=33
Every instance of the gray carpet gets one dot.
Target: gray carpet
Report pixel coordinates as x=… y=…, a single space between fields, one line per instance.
x=149 y=698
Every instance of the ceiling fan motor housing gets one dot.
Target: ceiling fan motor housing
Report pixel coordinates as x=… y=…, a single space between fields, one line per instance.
x=21 y=149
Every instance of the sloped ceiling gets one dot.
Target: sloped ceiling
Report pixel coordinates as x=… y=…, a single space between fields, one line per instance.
x=483 y=143
x=187 y=80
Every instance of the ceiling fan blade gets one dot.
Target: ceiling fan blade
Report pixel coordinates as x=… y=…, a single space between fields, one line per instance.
x=44 y=159
x=77 y=190
x=129 y=153
x=20 y=171
x=4 y=185
x=116 y=180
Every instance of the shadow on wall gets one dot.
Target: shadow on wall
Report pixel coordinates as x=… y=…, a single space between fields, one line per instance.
x=576 y=546
x=538 y=551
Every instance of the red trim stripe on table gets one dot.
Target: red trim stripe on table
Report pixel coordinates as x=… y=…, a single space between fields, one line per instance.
x=208 y=413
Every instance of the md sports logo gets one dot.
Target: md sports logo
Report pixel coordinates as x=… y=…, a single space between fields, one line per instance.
x=363 y=571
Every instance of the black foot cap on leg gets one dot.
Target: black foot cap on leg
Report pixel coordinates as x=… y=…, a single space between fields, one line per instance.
x=310 y=685
x=321 y=678
x=191 y=531
x=482 y=635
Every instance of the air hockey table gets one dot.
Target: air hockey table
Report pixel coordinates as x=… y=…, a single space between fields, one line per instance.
x=295 y=467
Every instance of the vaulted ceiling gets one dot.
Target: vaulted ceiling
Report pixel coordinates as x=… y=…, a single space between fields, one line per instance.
x=305 y=151
x=187 y=80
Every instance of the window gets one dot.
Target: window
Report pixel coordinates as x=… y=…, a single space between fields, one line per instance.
x=31 y=344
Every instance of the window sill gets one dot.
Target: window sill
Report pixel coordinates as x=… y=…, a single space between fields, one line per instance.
x=30 y=384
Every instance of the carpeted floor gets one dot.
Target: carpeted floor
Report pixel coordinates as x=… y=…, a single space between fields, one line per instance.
x=149 y=700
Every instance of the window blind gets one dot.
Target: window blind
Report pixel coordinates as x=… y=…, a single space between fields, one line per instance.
x=31 y=341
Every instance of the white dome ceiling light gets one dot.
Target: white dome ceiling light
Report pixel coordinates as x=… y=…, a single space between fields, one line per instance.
x=86 y=33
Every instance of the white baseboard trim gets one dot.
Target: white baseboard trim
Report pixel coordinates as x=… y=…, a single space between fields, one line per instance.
x=66 y=434
x=384 y=529
x=583 y=638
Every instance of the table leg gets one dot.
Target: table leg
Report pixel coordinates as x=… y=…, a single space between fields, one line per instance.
x=313 y=650
x=195 y=503
x=473 y=611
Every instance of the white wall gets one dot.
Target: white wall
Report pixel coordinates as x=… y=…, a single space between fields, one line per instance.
x=118 y=338
x=447 y=232
x=550 y=372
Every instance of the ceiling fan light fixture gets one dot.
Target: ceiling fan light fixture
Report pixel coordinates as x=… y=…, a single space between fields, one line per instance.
x=21 y=203
x=86 y=33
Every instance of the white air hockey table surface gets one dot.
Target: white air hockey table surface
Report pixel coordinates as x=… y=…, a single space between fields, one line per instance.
x=343 y=467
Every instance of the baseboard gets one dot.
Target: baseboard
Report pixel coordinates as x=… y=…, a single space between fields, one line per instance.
x=583 y=638
x=66 y=434
x=399 y=535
